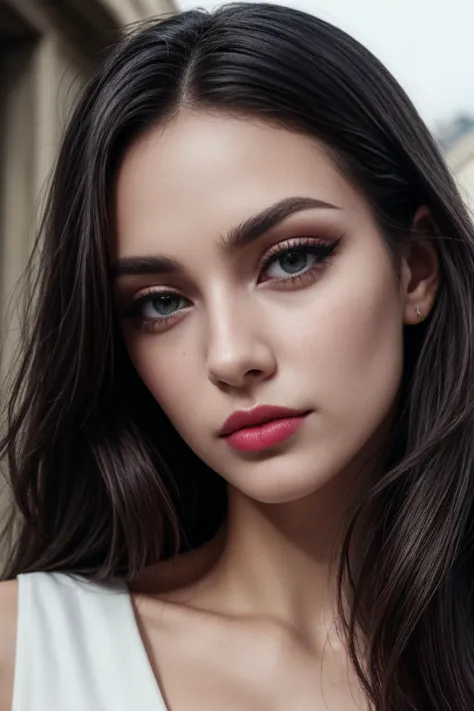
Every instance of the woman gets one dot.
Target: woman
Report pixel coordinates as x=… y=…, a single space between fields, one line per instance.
x=240 y=438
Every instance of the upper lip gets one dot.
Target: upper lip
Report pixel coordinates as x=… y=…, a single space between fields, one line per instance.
x=256 y=416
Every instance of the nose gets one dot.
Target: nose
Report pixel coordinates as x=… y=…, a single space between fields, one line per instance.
x=238 y=352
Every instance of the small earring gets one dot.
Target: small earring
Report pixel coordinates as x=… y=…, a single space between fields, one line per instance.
x=417 y=311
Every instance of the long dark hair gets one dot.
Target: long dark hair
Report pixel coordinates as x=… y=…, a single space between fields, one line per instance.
x=101 y=481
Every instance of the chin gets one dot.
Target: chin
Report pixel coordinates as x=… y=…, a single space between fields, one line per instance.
x=269 y=483
x=280 y=497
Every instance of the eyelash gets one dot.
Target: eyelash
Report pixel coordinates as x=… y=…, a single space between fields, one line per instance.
x=324 y=251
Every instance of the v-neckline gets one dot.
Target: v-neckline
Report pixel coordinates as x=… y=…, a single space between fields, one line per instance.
x=148 y=680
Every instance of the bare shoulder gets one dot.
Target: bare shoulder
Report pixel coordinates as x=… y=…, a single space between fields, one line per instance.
x=8 y=626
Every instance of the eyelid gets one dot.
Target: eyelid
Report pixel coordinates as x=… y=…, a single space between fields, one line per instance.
x=158 y=289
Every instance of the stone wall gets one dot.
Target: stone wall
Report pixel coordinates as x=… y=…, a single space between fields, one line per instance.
x=47 y=52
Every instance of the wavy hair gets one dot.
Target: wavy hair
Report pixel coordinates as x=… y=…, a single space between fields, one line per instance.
x=100 y=492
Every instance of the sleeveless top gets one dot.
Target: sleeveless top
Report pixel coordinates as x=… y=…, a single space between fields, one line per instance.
x=79 y=648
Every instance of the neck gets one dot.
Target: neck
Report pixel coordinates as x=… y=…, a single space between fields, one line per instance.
x=281 y=561
x=273 y=561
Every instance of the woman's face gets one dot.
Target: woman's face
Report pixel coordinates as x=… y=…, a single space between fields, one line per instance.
x=251 y=272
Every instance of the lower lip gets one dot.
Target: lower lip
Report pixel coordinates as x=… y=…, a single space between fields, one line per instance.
x=269 y=434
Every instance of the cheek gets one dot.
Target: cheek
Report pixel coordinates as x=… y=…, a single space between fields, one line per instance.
x=168 y=371
x=356 y=351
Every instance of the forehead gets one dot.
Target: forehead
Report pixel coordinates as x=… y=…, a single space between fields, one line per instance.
x=203 y=173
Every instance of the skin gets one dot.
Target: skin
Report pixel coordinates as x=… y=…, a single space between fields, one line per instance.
x=241 y=335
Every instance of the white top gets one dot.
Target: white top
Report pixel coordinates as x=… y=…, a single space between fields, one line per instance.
x=79 y=648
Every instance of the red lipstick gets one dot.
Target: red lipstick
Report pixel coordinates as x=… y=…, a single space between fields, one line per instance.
x=261 y=427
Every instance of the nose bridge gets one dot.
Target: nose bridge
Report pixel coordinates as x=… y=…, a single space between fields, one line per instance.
x=237 y=345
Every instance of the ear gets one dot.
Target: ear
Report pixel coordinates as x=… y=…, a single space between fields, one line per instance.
x=419 y=269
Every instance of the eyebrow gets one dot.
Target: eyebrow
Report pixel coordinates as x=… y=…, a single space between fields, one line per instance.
x=236 y=239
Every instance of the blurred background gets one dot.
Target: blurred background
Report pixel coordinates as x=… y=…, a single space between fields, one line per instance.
x=48 y=49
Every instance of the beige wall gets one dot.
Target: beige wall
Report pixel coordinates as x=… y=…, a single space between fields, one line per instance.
x=47 y=52
x=461 y=160
x=127 y=11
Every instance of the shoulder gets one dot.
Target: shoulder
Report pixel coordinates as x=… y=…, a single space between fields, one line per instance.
x=8 y=626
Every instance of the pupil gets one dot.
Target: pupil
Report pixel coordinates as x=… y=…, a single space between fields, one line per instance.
x=294 y=261
x=165 y=304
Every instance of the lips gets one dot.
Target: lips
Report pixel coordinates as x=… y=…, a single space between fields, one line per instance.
x=257 y=416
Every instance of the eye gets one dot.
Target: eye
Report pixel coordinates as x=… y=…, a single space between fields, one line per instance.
x=152 y=310
x=297 y=259
x=160 y=305
x=290 y=263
